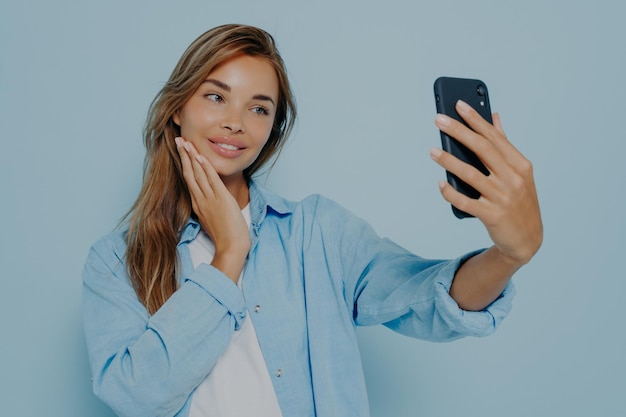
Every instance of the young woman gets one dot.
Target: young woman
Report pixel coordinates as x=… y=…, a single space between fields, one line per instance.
x=220 y=298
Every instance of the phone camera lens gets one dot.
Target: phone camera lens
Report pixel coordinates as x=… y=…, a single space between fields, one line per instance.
x=481 y=90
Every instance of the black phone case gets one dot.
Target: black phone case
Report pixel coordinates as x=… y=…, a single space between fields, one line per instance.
x=448 y=91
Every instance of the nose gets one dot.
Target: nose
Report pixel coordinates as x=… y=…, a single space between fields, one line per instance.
x=233 y=121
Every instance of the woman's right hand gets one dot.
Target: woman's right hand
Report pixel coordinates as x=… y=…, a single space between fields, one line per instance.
x=218 y=212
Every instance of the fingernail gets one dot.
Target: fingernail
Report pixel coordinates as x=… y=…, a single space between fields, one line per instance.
x=435 y=153
x=199 y=158
x=177 y=140
x=442 y=120
x=462 y=106
x=442 y=184
x=187 y=146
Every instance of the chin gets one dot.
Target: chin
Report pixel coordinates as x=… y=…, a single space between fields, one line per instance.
x=226 y=175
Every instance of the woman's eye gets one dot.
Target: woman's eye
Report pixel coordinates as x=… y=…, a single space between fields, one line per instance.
x=215 y=97
x=260 y=110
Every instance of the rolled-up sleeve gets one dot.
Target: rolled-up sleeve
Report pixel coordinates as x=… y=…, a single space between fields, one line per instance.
x=469 y=323
x=411 y=295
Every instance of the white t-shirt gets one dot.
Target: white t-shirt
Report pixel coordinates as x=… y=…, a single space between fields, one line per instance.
x=239 y=384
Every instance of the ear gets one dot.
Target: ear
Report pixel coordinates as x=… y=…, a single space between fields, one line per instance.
x=176 y=118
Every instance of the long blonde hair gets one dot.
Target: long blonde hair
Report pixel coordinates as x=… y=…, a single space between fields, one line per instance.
x=158 y=216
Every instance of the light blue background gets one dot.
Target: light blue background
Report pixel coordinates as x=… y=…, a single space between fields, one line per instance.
x=76 y=78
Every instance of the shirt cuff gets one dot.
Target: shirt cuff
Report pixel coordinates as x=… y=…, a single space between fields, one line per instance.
x=222 y=289
x=471 y=323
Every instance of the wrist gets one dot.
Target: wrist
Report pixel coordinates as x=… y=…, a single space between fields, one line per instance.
x=512 y=262
x=230 y=262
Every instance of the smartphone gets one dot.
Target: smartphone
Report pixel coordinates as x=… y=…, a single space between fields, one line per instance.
x=448 y=90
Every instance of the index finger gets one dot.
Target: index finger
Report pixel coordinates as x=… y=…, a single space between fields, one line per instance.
x=484 y=149
x=189 y=174
x=492 y=132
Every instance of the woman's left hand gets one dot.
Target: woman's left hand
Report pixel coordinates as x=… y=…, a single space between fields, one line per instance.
x=508 y=205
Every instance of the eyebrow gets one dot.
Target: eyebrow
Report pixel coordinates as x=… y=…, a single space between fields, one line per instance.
x=226 y=87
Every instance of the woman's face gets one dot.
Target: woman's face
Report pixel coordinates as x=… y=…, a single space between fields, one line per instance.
x=230 y=117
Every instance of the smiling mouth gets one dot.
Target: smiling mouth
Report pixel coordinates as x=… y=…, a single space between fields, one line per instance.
x=227 y=146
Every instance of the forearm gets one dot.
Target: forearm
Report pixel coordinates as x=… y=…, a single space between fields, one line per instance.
x=481 y=279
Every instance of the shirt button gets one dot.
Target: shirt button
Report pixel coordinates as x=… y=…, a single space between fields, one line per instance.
x=257 y=308
x=279 y=373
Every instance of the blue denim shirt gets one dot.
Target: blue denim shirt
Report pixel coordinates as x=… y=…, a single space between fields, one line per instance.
x=313 y=273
